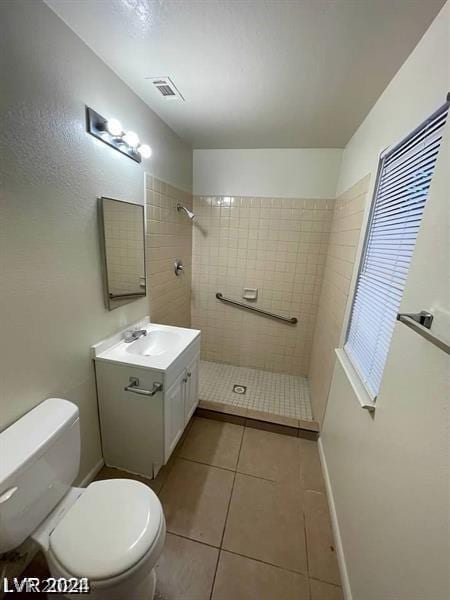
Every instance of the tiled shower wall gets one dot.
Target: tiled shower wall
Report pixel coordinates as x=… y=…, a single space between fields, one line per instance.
x=344 y=238
x=277 y=245
x=169 y=236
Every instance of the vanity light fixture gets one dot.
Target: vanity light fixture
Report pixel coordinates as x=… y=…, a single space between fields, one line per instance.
x=114 y=127
x=131 y=138
x=110 y=132
x=145 y=151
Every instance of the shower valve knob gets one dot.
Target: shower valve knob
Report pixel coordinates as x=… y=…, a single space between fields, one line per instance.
x=178 y=267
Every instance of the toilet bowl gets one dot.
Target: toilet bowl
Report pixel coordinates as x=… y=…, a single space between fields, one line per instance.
x=111 y=533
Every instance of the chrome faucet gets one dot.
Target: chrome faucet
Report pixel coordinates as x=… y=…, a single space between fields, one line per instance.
x=132 y=335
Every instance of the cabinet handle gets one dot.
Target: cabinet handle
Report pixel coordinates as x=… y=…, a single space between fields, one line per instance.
x=133 y=387
x=188 y=373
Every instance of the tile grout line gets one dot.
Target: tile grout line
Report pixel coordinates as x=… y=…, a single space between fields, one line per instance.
x=264 y=562
x=206 y=464
x=336 y=585
x=175 y=455
x=227 y=513
x=220 y=546
x=257 y=477
x=200 y=462
x=306 y=542
x=185 y=537
x=302 y=485
x=165 y=480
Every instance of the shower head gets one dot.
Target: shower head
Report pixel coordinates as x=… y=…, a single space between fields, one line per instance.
x=192 y=216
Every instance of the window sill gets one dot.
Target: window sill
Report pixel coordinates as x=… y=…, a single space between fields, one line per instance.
x=364 y=399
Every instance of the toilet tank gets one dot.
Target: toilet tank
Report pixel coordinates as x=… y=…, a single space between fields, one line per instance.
x=39 y=461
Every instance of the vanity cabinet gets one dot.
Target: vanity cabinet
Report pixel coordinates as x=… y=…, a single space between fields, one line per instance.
x=174 y=421
x=140 y=431
x=191 y=388
x=180 y=402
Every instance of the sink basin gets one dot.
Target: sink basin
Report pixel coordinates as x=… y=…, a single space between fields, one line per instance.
x=155 y=343
x=158 y=350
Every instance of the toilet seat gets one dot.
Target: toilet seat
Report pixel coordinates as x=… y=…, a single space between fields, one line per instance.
x=108 y=530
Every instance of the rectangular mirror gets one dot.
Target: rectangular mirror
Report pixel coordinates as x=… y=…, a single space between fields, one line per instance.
x=122 y=237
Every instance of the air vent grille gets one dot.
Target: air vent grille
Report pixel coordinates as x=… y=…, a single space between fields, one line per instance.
x=166 y=87
x=166 y=90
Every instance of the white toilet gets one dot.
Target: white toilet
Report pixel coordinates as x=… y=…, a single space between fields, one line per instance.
x=111 y=532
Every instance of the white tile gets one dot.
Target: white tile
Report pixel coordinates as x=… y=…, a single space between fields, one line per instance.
x=286 y=395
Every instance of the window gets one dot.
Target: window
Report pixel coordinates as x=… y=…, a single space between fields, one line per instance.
x=403 y=182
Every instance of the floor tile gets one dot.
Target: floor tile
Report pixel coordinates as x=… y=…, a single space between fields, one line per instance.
x=273 y=427
x=269 y=455
x=38 y=567
x=226 y=417
x=276 y=393
x=311 y=468
x=309 y=425
x=279 y=419
x=319 y=538
x=195 y=499
x=185 y=570
x=324 y=591
x=113 y=473
x=240 y=578
x=265 y=522
x=213 y=442
x=222 y=407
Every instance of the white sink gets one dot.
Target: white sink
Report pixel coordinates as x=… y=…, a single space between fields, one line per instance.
x=157 y=350
x=155 y=343
x=147 y=389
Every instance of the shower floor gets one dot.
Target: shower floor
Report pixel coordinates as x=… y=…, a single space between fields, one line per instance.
x=277 y=393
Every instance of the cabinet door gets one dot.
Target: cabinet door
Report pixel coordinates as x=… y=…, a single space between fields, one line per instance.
x=132 y=425
x=174 y=414
x=191 y=398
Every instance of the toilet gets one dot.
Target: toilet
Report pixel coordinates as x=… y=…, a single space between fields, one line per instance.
x=111 y=532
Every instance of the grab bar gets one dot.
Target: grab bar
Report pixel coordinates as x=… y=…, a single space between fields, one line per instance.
x=291 y=320
x=422 y=329
x=112 y=296
x=133 y=387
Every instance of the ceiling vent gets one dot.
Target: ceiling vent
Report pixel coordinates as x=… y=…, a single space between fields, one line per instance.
x=166 y=88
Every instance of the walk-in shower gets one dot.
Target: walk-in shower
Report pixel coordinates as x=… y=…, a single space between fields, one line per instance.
x=256 y=349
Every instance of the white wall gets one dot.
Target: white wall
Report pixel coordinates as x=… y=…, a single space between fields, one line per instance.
x=52 y=171
x=419 y=87
x=389 y=473
x=279 y=173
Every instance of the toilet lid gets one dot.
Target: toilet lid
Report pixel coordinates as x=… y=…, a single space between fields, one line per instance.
x=108 y=529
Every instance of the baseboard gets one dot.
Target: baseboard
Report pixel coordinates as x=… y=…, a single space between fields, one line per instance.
x=92 y=473
x=335 y=524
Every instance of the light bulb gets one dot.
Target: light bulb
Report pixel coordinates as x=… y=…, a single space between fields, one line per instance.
x=145 y=151
x=114 y=127
x=131 y=139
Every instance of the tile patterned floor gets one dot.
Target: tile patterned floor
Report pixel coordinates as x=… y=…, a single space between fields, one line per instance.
x=286 y=395
x=247 y=518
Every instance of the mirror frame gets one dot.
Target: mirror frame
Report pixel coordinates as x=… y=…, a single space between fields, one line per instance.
x=111 y=303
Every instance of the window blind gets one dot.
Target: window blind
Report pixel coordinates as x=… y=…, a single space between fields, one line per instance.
x=403 y=182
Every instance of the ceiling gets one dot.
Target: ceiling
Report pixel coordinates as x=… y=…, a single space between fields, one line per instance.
x=255 y=73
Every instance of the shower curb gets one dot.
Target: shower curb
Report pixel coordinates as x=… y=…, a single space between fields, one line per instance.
x=258 y=419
